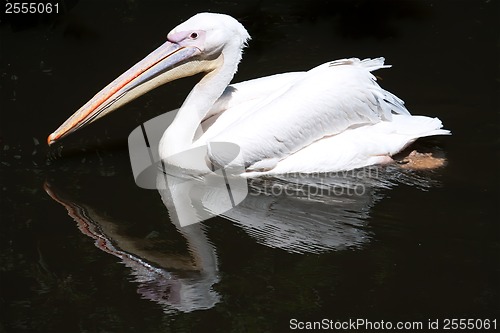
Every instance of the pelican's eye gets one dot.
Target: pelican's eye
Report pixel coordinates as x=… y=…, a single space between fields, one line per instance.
x=193 y=35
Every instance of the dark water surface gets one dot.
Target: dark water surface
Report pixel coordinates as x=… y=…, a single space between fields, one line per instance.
x=83 y=249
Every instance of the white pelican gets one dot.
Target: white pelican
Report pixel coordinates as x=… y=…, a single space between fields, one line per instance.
x=333 y=117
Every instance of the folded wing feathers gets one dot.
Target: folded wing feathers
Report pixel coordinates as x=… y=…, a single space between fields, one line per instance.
x=392 y=104
x=329 y=99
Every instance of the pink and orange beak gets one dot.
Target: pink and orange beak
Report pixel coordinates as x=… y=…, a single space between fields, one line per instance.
x=168 y=62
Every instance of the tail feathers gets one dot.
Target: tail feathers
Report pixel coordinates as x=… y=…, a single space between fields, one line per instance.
x=418 y=126
x=436 y=132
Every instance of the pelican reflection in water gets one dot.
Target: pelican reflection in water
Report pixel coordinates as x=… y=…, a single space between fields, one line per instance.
x=333 y=218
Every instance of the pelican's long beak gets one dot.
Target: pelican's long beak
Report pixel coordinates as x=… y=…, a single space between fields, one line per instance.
x=167 y=63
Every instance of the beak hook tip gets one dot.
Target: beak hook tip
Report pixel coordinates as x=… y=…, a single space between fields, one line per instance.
x=51 y=139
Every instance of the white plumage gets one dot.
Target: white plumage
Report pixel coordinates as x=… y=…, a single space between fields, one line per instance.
x=330 y=118
x=333 y=117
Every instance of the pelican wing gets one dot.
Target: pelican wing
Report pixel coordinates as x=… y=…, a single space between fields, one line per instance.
x=240 y=99
x=323 y=102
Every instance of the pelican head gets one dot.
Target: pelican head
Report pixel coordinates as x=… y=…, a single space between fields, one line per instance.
x=199 y=45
